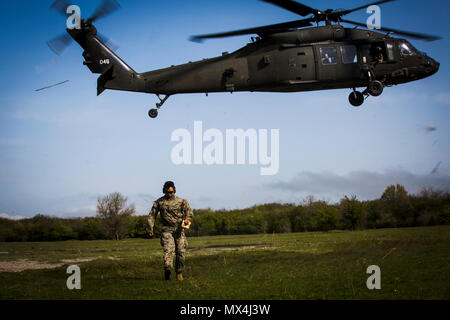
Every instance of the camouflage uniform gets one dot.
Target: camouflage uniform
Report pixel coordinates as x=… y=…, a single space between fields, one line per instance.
x=173 y=211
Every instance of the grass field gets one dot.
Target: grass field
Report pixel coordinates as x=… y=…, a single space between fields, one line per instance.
x=414 y=262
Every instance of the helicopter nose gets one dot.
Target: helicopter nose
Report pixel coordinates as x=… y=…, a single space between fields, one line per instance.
x=436 y=65
x=431 y=65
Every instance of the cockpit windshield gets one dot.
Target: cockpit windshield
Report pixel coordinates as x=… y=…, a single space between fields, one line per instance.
x=406 y=48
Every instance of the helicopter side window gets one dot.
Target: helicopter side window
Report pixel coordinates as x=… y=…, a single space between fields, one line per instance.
x=349 y=54
x=406 y=49
x=328 y=55
x=390 y=51
x=378 y=52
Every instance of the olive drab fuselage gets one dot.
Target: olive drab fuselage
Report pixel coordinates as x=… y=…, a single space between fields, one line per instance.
x=292 y=61
x=314 y=58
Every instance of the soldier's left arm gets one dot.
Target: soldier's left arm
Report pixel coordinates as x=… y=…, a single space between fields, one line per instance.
x=187 y=210
x=152 y=216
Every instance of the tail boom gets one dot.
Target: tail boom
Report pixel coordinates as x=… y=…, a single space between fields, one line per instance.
x=115 y=73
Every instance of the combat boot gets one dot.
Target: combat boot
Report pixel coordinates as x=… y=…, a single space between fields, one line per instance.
x=167 y=274
x=180 y=277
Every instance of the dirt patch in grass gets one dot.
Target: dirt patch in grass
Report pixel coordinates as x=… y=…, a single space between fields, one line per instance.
x=25 y=264
x=230 y=247
x=79 y=260
x=89 y=259
x=212 y=250
x=233 y=246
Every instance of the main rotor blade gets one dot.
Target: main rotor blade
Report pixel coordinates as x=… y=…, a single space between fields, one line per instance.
x=59 y=44
x=293 y=6
x=413 y=35
x=258 y=30
x=106 y=8
x=60 y=6
x=344 y=12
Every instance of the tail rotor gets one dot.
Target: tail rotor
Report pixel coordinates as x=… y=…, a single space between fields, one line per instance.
x=59 y=44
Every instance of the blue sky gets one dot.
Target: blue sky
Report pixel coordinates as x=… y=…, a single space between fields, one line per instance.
x=63 y=147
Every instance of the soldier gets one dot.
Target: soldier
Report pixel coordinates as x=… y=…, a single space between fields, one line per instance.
x=379 y=57
x=176 y=215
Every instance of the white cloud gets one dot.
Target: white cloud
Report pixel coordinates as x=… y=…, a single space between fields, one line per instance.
x=364 y=184
x=7 y=216
x=84 y=211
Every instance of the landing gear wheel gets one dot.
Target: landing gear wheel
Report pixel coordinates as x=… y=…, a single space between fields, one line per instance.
x=356 y=98
x=153 y=113
x=375 y=88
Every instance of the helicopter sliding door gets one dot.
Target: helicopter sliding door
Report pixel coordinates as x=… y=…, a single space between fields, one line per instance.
x=348 y=68
x=337 y=62
x=306 y=67
x=327 y=62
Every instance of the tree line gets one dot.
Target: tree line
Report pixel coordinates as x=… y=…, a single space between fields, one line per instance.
x=116 y=220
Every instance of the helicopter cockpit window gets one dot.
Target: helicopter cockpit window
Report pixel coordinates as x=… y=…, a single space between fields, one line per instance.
x=406 y=49
x=328 y=55
x=349 y=54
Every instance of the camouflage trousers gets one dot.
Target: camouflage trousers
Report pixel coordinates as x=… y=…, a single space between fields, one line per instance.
x=174 y=243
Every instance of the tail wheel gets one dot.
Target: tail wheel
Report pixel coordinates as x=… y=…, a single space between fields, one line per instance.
x=153 y=113
x=356 y=98
x=375 y=88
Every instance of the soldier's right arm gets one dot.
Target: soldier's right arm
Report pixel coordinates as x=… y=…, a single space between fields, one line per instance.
x=152 y=216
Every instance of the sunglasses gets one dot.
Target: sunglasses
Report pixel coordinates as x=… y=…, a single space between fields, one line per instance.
x=169 y=191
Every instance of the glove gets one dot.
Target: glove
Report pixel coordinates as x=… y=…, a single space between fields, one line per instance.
x=186 y=224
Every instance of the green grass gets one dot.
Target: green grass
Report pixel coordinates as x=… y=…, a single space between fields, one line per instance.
x=414 y=262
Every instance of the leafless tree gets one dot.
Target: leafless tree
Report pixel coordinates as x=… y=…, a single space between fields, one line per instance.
x=114 y=214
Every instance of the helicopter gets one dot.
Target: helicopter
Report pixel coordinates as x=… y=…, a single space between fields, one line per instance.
x=292 y=56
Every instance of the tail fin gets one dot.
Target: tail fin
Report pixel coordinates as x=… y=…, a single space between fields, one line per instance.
x=115 y=73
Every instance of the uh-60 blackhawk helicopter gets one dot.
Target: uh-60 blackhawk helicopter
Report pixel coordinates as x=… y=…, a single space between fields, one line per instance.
x=285 y=57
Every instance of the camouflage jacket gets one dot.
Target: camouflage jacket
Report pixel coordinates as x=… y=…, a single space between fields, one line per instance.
x=173 y=211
